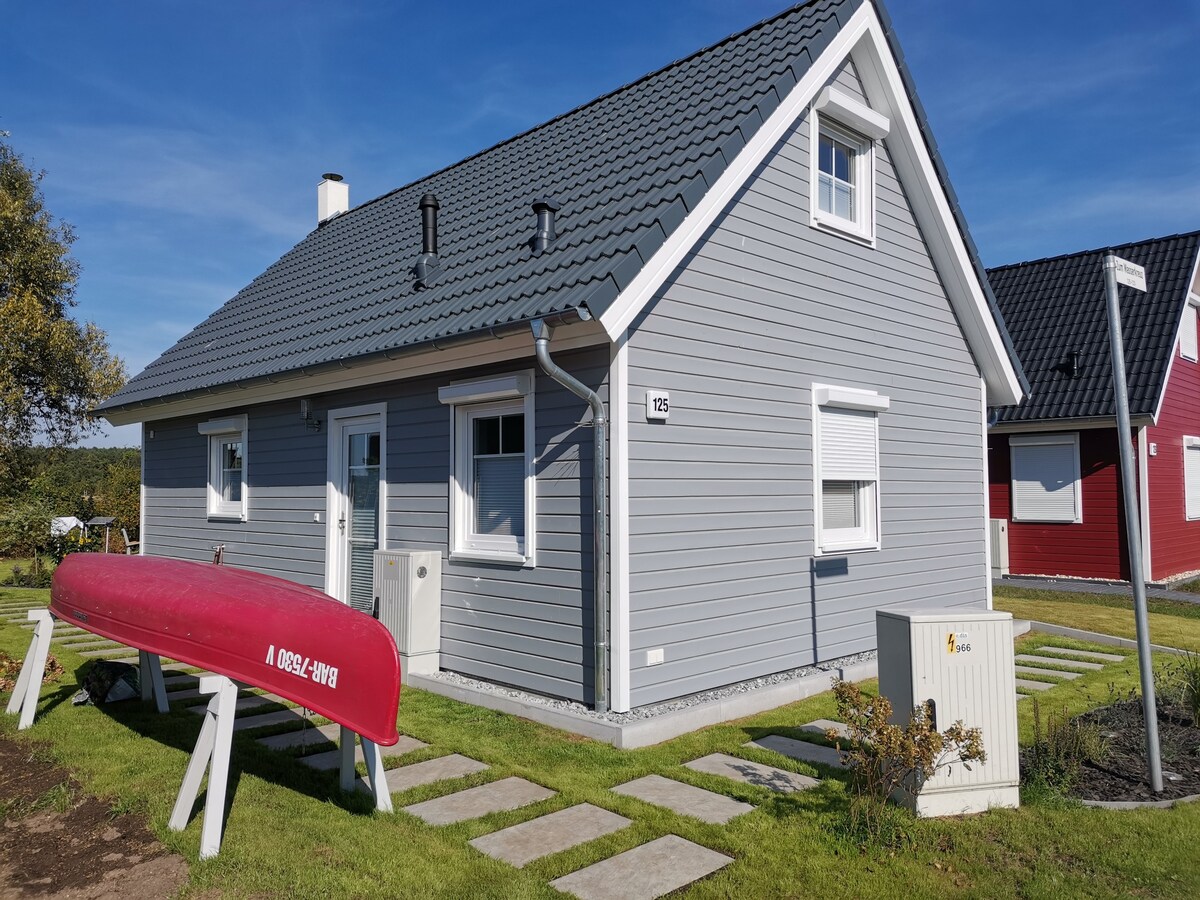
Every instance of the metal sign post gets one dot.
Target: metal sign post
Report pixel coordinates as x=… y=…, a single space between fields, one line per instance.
x=1117 y=270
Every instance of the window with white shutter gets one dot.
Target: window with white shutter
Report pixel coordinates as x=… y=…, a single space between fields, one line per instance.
x=1045 y=478
x=846 y=468
x=492 y=482
x=1187 y=334
x=1191 y=477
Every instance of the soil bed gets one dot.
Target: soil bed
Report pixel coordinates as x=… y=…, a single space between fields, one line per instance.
x=55 y=841
x=1123 y=774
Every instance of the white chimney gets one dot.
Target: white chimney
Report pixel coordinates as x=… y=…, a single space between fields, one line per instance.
x=333 y=197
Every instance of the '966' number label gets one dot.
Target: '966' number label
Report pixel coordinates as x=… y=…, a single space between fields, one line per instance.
x=959 y=642
x=302 y=666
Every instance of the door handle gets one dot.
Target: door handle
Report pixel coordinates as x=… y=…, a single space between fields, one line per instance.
x=342 y=524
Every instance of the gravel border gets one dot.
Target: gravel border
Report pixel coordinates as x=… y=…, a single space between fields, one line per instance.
x=654 y=710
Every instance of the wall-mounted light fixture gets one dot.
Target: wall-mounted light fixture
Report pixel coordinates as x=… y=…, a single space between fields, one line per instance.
x=306 y=413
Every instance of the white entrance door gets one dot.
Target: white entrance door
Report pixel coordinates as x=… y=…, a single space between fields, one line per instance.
x=357 y=486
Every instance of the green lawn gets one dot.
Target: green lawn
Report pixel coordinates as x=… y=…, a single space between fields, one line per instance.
x=1172 y=623
x=290 y=831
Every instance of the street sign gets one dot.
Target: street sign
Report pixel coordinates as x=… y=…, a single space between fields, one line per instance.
x=1129 y=274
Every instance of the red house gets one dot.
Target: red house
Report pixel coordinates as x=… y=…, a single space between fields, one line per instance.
x=1053 y=459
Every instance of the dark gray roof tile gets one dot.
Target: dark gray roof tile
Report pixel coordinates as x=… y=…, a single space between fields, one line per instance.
x=1056 y=306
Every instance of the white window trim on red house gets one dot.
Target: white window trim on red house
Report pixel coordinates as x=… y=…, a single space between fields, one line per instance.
x=1046 y=483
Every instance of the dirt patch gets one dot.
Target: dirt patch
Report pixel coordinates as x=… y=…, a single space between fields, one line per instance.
x=57 y=842
x=1123 y=774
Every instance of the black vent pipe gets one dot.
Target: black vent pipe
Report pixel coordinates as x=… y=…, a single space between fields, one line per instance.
x=545 y=234
x=428 y=264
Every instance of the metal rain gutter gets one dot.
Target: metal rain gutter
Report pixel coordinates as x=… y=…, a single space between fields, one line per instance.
x=541 y=341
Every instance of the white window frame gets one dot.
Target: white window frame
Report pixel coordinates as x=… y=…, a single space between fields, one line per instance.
x=828 y=400
x=469 y=400
x=1189 y=341
x=852 y=122
x=1070 y=439
x=1191 y=500
x=219 y=433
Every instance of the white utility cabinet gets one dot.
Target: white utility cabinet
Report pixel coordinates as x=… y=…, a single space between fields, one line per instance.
x=962 y=660
x=408 y=591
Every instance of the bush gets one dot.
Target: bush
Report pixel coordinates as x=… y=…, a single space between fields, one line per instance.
x=35 y=577
x=1178 y=682
x=1061 y=748
x=887 y=761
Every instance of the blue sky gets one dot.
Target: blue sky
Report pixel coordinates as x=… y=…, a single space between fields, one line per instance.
x=184 y=140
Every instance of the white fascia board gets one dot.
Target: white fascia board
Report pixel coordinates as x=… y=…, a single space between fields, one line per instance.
x=968 y=297
x=863 y=41
x=1064 y=425
x=658 y=268
x=412 y=363
x=1194 y=300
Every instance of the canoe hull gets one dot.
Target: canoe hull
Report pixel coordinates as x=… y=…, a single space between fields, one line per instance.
x=289 y=639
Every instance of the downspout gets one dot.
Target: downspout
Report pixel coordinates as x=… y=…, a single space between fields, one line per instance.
x=541 y=342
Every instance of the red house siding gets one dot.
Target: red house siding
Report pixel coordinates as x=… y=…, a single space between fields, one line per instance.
x=1093 y=548
x=1174 y=541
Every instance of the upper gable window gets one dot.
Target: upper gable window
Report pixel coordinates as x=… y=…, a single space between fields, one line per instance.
x=226 y=467
x=844 y=133
x=1187 y=334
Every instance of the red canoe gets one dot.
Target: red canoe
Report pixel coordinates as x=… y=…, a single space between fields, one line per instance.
x=293 y=640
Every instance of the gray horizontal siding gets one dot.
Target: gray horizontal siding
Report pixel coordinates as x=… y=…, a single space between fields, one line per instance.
x=723 y=576
x=526 y=627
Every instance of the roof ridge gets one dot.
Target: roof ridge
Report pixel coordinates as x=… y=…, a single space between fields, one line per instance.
x=646 y=77
x=1080 y=253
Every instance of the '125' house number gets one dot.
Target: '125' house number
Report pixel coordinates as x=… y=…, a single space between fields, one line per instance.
x=658 y=404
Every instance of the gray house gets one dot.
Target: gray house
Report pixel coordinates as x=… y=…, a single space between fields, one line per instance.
x=749 y=266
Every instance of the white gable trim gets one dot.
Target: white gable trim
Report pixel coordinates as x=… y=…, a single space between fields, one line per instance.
x=852 y=114
x=862 y=39
x=1162 y=394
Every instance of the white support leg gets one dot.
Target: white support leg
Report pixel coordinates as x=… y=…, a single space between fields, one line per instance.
x=151 y=677
x=346 y=772
x=25 y=694
x=216 y=738
x=376 y=782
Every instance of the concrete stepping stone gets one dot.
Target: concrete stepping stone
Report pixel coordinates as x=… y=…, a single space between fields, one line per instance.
x=171 y=680
x=1086 y=654
x=752 y=773
x=427 y=772
x=272 y=718
x=804 y=751
x=115 y=648
x=645 y=872
x=521 y=844
x=685 y=799
x=242 y=703
x=820 y=726
x=89 y=645
x=1049 y=673
x=304 y=739
x=1024 y=696
x=1065 y=663
x=331 y=759
x=1033 y=685
x=499 y=796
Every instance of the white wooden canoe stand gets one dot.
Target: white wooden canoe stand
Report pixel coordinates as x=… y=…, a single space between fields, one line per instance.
x=24 y=697
x=213 y=746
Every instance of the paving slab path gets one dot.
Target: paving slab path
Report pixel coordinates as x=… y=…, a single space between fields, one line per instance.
x=1033 y=685
x=1048 y=673
x=1085 y=654
x=473 y=803
x=331 y=759
x=821 y=726
x=645 y=872
x=685 y=799
x=1055 y=661
x=805 y=751
x=744 y=770
x=429 y=771
x=304 y=739
x=521 y=844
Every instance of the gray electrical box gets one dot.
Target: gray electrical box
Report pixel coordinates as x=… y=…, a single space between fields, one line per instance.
x=408 y=591
x=962 y=660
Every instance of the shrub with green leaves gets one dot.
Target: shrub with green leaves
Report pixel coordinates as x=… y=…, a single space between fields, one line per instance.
x=887 y=761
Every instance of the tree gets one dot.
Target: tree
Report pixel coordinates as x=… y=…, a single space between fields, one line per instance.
x=53 y=369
